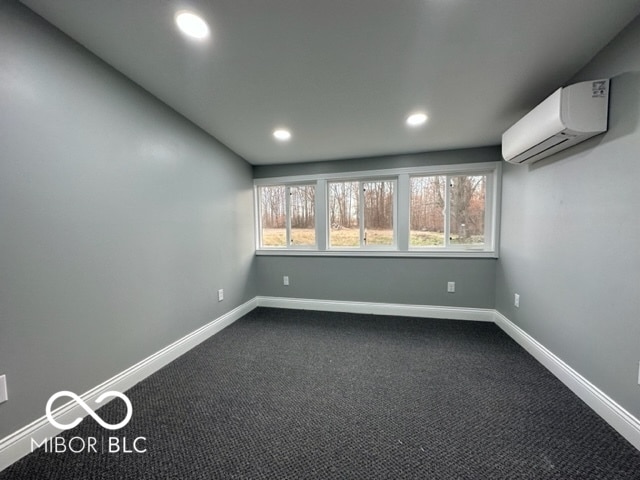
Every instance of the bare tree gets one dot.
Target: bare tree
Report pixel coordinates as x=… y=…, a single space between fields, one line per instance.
x=467 y=206
x=272 y=202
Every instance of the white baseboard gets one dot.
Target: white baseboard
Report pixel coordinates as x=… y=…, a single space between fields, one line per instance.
x=622 y=421
x=18 y=444
x=425 y=311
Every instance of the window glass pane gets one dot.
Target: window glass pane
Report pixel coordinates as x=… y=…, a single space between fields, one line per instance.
x=426 y=222
x=344 y=205
x=273 y=217
x=303 y=215
x=378 y=212
x=467 y=209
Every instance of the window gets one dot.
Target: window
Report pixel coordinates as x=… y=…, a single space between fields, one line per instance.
x=446 y=210
x=427 y=211
x=302 y=206
x=287 y=216
x=273 y=216
x=361 y=214
x=466 y=209
x=344 y=214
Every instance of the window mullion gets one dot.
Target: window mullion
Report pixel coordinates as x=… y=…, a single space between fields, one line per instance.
x=402 y=206
x=258 y=220
x=322 y=215
x=287 y=199
x=447 y=212
x=361 y=214
x=488 y=212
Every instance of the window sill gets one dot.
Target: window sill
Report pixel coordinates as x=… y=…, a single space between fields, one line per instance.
x=379 y=253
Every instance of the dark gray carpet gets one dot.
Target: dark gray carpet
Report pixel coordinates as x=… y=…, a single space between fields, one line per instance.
x=291 y=394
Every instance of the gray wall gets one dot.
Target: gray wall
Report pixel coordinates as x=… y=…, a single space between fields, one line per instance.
x=570 y=233
x=419 y=281
x=119 y=220
x=416 y=281
x=445 y=157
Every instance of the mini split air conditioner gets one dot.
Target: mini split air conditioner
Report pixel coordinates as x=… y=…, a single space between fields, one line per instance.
x=568 y=116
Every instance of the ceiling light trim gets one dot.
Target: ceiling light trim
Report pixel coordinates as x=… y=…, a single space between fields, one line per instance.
x=416 y=119
x=192 y=25
x=282 y=134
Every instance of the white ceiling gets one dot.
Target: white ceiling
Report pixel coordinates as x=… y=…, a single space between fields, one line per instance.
x=344 y=74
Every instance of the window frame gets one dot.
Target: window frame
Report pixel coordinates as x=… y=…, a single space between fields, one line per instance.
x=488 y=216
x=287 y=199
x=401 y=212
x=361 y=214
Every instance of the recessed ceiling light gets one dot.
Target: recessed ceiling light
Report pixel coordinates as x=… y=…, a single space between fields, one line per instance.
x=416 y=119
x=192 y=25
x=282 y=134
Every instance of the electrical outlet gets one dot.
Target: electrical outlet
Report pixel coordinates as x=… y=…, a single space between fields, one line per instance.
x=451 y=287
x=3 y=388
x=516 y=300
x=638 y=375
x=220 y=295
x=285 y=281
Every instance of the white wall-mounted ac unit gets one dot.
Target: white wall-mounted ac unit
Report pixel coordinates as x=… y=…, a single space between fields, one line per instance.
x=568 y=116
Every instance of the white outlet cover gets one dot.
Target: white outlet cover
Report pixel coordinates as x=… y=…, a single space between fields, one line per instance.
x=3 y=388
x=451 y=287
x=220 y=295
x=285 y=280
x=516 y=300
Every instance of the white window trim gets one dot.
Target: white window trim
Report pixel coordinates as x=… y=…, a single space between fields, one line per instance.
x=488 y=216
x=258 y=220
x=401 y=206
x=363 y=247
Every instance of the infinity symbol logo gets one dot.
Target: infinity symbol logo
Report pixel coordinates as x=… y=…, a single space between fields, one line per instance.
x=88 y=409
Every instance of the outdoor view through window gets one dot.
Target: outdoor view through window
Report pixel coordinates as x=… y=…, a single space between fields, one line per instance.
x=428 y=221
x=353 y=205
x=289 y=220
x=433 y=212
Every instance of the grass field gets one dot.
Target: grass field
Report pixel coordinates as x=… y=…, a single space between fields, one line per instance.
x=344 y=237
x=277 y=237
x=436 y=239
x=350 y=237
x=426 y=239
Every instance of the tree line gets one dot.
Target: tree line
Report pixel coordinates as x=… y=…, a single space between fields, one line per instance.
x=467 y=203
x=301 y=203
x=377 y=198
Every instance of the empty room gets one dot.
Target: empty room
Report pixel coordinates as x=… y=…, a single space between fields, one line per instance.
x=292 y=239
